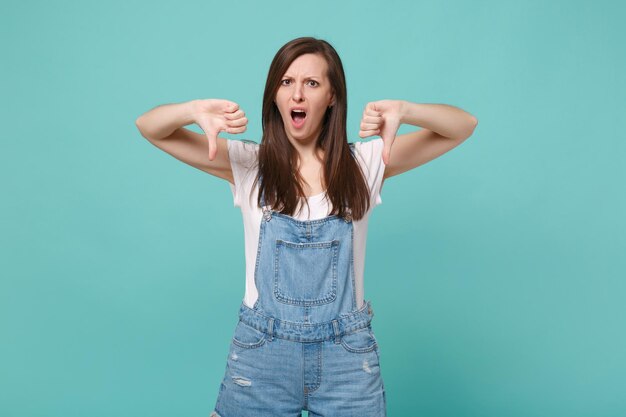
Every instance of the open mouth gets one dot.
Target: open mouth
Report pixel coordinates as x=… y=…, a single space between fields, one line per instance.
x=298 y=117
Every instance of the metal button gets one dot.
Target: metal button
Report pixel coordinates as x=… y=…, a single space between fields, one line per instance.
x=267 y=214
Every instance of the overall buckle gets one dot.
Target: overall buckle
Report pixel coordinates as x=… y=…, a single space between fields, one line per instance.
x=267 y=213
x=348 y=216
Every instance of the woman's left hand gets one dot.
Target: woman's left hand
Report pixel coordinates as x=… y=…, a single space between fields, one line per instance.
x=382 y=118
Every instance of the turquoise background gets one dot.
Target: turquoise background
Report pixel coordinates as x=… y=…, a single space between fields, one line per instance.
x=496 y=271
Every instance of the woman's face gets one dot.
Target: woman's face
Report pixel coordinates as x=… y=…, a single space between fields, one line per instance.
x=304 y=86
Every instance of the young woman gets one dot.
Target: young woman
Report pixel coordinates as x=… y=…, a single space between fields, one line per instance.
x=304 y=340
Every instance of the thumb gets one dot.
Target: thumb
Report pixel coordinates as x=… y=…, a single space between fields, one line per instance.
x=211 y=136
x=386 y=150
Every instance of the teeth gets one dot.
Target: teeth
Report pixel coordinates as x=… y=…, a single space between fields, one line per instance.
x=298 y=111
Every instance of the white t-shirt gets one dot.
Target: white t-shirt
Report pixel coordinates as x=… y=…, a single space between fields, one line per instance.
x=243 y=159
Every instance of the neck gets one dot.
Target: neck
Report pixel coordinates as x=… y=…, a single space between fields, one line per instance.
x=306 y=148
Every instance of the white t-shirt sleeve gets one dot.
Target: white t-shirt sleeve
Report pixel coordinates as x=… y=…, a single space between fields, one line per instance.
x=243 y=157
x=371 y=159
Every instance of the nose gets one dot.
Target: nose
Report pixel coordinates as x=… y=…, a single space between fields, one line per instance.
x=297 y=93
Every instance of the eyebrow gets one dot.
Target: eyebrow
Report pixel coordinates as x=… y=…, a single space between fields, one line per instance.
x=306 y=76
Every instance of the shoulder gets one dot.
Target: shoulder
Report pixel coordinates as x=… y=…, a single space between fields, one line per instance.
x=243 y=156
x=370 y=153
x=370 y=157
x=243 y=152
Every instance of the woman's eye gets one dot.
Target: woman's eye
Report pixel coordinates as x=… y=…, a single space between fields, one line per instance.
x=285 y=81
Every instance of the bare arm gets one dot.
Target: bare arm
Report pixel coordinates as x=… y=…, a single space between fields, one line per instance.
x=443 y=128
x=163 y=127
x=163 y=120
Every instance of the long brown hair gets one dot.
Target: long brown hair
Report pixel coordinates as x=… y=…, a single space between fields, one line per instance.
x=279 y=181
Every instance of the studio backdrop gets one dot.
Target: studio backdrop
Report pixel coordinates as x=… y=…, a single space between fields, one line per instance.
x=496 y=272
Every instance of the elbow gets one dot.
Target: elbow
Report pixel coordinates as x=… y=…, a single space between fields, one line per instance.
x=138 y=122
x=139 y=127
x=472 y=125
x=468 y=130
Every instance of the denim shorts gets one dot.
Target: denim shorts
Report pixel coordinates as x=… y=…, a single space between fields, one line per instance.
x=276 y=377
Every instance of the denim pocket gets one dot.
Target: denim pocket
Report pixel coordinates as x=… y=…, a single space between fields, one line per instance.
x=361 y=341
x=247 y=336
x=305 y=274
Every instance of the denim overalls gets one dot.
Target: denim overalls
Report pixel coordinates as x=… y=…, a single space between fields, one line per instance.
x=304 y=345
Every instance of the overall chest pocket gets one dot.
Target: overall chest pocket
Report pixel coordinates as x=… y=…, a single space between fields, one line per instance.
x=305 y=273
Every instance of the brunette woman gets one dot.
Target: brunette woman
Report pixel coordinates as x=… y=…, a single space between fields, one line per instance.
x=304 y=339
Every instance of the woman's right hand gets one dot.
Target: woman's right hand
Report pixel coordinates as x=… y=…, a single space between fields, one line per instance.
x=216 y=115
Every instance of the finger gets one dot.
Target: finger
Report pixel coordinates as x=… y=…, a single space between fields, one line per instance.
x=205 y=126
x=238 y=122
x=372 y=119
x=235 y=130
x=212 y=146
x=231 y=107
x=369 y=110
x=235 y=115
x=387 y=151
x=367 y=133
x=369 y=126
x=372 y=113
